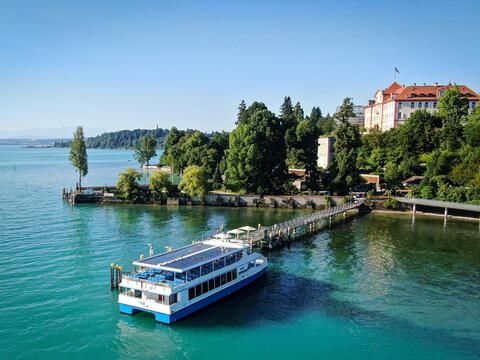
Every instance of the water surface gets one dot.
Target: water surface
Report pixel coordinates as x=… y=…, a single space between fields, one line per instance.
x=373 y=288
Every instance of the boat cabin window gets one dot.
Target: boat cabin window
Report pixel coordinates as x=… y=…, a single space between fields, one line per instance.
x=172 y=299
x=211 y=284
x=207 y=268
x=219 y=263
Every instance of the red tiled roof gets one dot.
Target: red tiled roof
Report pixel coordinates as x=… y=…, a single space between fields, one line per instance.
x=431 y=92
x=395 y=88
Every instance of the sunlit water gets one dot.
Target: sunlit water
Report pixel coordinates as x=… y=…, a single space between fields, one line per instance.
x=373 y=288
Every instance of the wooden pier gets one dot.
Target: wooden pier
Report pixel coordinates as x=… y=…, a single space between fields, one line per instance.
x=274 y=235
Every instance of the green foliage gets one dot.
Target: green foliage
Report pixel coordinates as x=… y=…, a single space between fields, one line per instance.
x=78 y=154
x=328 y=201
x=441 y=163
x=119 y=139
x=195 y=182
x=241 y=109
x=327 y=125
x=127 y=184
x=346 y=110
x=391 y=203
x=392 y=175
x=346 y=151
x=452 y=108
x=159 y=182
x=472 y=128
x=347 y=199
x=145 y=149
x=256 y=157
x=217 y=178
x=419 y=134
x=187 y=148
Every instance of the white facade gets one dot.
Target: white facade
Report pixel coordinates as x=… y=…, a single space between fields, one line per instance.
x=325 y=151
x=392 y=106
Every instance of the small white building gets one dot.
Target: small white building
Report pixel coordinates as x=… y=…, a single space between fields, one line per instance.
x=325 y=151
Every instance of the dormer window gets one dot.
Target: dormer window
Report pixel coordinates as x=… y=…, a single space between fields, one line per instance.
x=441 y=92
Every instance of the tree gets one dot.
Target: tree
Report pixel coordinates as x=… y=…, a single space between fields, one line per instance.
x=78 y=154
x=159 y=182
x=127 y=184
x=472 y=128
x=392 y=175
x=195 y=182
x=346 y=150
x=346 y=111
x=256 y=156
x=419 y=134
x=327 y=124
x=241 y=109
x=217 y=178
x=289 y=122
x=452 y=108
x=145 y=149
x=307 y=137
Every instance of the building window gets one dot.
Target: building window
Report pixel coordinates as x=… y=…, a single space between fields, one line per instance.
x=434 y=104
x=426 y=105
x=473 y=104
x=412 y=105
x=419 y=105
x=399 y=115
x=399 y=105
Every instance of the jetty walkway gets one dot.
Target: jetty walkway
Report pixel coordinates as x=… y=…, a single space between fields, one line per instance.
x=270 y=236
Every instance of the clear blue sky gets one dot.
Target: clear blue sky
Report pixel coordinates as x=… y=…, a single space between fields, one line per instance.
x=129 y=64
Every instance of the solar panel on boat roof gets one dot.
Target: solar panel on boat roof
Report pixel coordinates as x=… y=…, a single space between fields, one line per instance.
x=190 y=261
x=166 y=257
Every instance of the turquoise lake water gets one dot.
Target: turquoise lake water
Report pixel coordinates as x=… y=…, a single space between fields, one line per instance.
x=377 y=287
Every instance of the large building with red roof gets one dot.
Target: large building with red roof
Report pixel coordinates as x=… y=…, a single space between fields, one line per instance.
x=393 y=105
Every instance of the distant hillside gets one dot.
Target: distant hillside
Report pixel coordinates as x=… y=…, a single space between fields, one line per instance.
x=119 y=139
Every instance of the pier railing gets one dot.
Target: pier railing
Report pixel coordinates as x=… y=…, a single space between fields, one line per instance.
x=290 y=225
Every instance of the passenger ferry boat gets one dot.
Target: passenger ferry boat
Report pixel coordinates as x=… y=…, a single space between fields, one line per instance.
x=177 y=283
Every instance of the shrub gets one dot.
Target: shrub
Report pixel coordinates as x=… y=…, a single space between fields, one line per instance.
x=391 y=203
x=127 y=184
x=159 y=183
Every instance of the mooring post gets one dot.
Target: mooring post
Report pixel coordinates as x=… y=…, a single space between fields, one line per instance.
x=119 y=275
x=111 y=275
x=445 y=215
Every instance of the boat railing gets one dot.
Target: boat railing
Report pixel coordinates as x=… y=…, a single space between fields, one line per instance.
x=133 y=277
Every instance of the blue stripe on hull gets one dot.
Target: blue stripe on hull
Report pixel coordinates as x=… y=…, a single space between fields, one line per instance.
x=167 y=319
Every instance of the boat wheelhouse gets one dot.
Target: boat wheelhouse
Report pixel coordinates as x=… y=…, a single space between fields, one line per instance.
x=177 y=283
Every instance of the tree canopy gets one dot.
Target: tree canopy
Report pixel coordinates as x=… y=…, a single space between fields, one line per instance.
x=195 y=181
x=127 y=184
x=78 y=154
x=159 y=182
x=145 y=149
x=256 y=156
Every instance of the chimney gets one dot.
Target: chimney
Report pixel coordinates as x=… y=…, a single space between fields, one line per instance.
x=436 y=83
